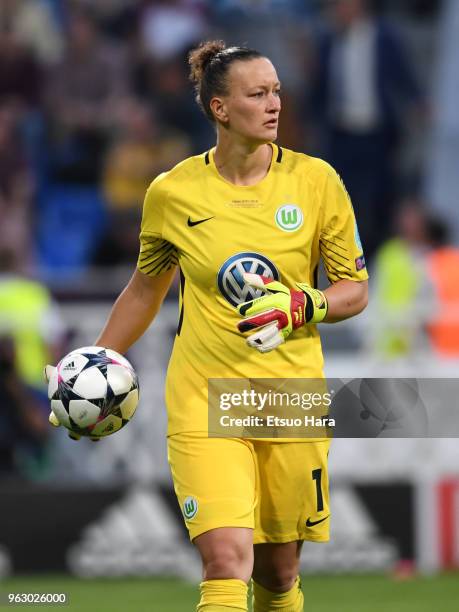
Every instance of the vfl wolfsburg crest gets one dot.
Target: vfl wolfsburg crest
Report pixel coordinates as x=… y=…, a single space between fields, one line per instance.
x=190 y=507
x=289 y=217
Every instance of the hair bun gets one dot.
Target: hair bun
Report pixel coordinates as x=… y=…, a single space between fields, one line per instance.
x=200 y=58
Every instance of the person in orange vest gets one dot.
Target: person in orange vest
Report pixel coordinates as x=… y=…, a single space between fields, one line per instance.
x=442 y=264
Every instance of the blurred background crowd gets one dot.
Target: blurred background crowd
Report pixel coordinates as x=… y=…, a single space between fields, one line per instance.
x=95 y=102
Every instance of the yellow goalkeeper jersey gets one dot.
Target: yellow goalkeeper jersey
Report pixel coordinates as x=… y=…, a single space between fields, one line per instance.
x=215 y=231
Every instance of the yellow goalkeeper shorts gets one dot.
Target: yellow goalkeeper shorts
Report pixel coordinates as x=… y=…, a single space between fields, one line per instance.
x=279 y=489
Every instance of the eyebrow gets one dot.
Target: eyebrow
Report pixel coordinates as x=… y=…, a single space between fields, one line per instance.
x=264 y=86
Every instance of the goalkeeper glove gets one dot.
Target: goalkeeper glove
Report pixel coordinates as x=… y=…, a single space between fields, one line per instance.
x=276 y=314
x=47 y=373
x=54 y=421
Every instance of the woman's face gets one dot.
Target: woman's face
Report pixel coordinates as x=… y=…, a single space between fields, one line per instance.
x=251 y=108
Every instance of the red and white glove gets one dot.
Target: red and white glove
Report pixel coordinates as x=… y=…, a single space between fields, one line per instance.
x=280 y=311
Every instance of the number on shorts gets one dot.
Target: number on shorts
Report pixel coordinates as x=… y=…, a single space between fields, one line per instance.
x=317 y=476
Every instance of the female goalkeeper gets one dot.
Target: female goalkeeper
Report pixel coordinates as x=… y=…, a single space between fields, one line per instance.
x=246 y=223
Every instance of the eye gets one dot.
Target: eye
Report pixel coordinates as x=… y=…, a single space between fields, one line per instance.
x=277 y=92
x=257 y=94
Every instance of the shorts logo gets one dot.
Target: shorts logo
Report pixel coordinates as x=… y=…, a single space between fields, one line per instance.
x=289 y=217
x=231 y=283
x=190 y=507
x=310 y=523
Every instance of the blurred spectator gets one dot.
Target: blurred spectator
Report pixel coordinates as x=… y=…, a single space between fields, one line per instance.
x=23 y=420
x=442 y=177
x=31 y=333
x=33 y=23
x=20 y=73
x=118 y=18
x=21 y=79
x=30 y=317
x=238 y=9
x=443 y=270
x=168 y=27
x=166 y=84
x=83 y=92
x=16 y=188
x=139 y=152
x=362 y=78
x=403 y=298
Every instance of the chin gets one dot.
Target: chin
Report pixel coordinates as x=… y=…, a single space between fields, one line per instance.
x=271 y=134
x=261 y=137
x=266 y=137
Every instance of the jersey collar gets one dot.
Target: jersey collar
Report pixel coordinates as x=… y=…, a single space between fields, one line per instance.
x=276 y=158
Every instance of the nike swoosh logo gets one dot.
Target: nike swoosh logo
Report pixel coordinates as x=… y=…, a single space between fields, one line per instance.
x=310 y=523
x=193 y=223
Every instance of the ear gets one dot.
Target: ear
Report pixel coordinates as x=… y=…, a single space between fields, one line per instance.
x=218 y=107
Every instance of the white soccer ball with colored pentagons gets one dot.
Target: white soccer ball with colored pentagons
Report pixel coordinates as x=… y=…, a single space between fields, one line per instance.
x=94 y=392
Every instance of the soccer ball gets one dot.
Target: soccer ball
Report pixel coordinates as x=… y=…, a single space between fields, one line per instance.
x=93 y=391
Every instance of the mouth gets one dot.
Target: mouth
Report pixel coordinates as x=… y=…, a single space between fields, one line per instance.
x=271 y=123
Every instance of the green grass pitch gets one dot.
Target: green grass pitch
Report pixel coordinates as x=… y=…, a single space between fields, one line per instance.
x=322 y=594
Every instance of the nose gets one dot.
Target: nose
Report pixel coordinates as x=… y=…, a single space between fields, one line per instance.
x=274 y=103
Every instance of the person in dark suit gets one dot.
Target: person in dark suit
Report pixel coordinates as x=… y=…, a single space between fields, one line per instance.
x=23 y=424
x=361 y=86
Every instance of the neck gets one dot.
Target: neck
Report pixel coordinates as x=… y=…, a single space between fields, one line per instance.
x=242 y=163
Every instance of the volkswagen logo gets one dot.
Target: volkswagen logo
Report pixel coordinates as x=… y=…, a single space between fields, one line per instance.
x=230 y=280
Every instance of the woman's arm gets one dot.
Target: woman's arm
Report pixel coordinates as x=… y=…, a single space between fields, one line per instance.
x=345 y=299
x=134 y=310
